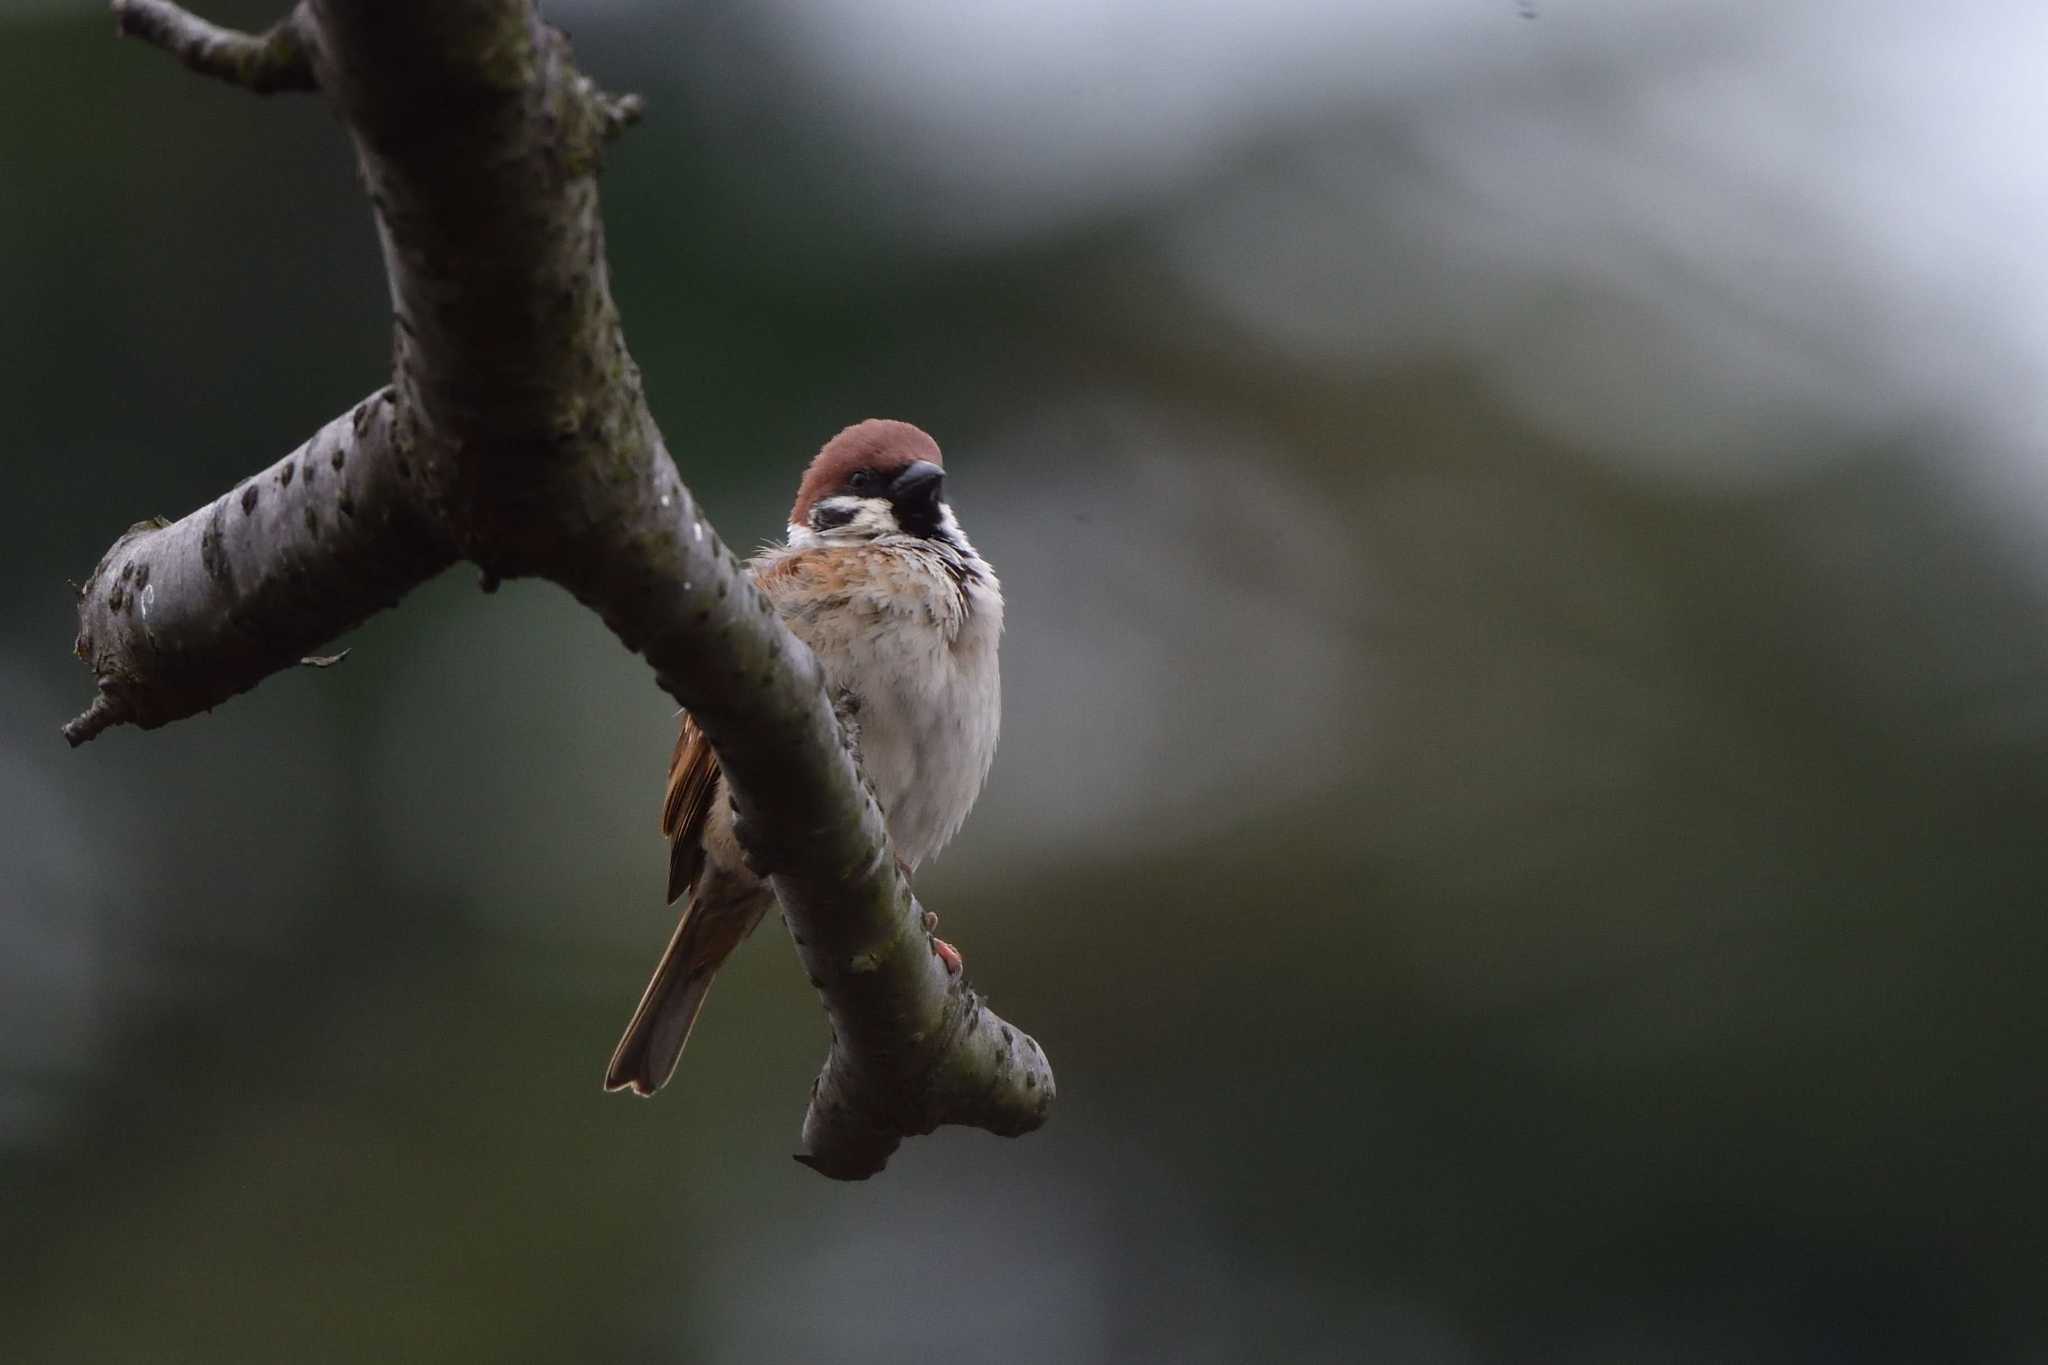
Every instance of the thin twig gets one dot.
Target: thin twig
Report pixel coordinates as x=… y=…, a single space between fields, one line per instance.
x=277 y=59
x=620 y=113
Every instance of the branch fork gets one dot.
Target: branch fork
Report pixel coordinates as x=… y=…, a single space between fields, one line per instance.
x=514 y=434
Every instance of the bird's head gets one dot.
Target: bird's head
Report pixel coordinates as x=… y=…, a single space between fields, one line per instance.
x=876 y=478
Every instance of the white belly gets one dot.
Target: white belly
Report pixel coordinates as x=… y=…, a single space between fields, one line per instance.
x=921 y=659
x=928 y=747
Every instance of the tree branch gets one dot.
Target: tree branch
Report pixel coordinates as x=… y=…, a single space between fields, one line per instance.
x=178 y=617
x=267 y=62
x=515 y=434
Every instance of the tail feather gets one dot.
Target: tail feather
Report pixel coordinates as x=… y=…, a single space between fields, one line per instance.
x=722 y=911
x=653 y=1043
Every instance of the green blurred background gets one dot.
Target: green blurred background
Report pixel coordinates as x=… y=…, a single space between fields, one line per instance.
x=1520 y=822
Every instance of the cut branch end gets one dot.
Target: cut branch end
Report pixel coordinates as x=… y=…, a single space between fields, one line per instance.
x=105 y=712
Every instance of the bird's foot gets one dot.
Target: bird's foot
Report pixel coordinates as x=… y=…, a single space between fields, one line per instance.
x=948 y=954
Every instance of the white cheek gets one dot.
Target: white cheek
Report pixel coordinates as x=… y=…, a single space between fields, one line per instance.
x=875 y=518
x=872 y=518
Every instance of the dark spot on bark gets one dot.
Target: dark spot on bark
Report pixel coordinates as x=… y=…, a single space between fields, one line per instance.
x=212 y=550
x=347 y=505
x=249 y=499
x=312 y=521
x=1008 y=1037
x=341 y=453
x=128 y=571
x=114 y=600
x=284 y=476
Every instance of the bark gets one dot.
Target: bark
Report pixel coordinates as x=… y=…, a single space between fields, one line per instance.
x=515 y=434
x=178 y=617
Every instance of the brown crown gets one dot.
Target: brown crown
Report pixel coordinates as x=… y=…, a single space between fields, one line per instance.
x=878 y=444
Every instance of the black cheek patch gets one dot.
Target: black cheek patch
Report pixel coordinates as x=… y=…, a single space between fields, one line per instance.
x=917 y=517
x=824 y=518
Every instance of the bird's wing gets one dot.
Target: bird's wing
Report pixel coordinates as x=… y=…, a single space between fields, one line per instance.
x=786 y=578
x=692 y=785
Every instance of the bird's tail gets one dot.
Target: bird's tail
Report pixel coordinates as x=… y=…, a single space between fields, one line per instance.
x=711 y=927
x=647 y=1055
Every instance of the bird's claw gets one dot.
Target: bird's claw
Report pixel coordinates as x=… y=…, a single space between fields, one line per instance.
x=947 y=953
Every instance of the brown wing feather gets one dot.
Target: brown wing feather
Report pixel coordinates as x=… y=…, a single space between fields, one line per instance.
x=692 y=784
x=693 y=772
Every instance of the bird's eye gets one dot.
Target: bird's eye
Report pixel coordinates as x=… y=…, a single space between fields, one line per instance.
x=864 y=481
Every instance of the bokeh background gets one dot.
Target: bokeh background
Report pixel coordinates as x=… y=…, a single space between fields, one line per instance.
x=1521 y=815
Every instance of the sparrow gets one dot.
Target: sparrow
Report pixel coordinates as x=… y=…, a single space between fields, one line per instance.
x=878 y=579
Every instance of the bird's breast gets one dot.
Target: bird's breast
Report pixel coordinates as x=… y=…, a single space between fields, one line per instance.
x=915 y=642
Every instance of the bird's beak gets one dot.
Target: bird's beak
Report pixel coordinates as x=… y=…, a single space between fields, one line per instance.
x=918 y=485
x=915 y=495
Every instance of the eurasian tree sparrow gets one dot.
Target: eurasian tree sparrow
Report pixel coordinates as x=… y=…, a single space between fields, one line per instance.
x=904 y=616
